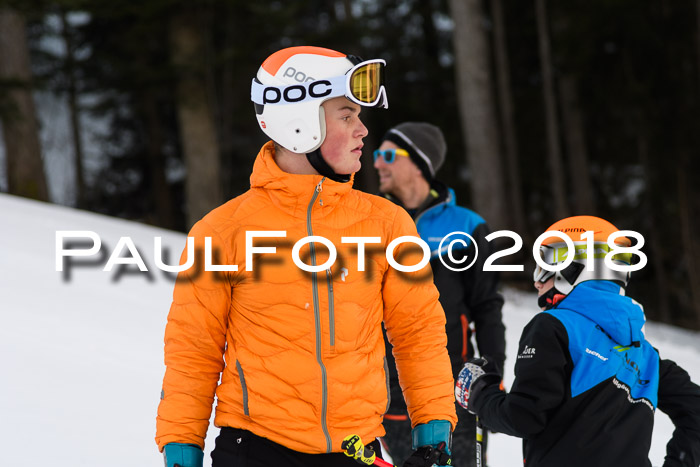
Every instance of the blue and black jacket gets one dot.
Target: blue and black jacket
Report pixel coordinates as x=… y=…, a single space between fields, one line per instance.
x=587 y=384
x=470 y=298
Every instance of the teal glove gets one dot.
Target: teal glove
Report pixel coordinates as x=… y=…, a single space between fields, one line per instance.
x=433 y=433
x=432 y=442
x=183 y=455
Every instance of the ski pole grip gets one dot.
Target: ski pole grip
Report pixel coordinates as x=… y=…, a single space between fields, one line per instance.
x=352 y=447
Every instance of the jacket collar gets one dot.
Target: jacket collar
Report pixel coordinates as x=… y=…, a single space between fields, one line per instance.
x=293 y=191
x=439 y=194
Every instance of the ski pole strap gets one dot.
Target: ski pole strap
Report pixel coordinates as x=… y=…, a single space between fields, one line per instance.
x=432 y=433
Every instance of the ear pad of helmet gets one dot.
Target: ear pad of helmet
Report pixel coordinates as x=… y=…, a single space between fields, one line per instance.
x=571 y=272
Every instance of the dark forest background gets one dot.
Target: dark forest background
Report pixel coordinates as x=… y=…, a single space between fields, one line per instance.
x=550 y=109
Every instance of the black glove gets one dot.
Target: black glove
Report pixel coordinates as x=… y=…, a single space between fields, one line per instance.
x=427 y=456
x=496 y=363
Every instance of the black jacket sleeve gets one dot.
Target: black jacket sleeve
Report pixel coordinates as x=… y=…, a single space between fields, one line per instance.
x=542 y=371
x=484 y=301
x=679 y=398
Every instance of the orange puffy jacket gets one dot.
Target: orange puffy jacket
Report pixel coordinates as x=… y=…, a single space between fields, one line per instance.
x=300 y=354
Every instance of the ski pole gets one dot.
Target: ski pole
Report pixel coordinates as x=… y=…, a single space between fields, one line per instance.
x=353 y=447
x=479 y=441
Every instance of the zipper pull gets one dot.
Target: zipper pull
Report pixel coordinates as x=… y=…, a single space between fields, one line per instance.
x=319 y=187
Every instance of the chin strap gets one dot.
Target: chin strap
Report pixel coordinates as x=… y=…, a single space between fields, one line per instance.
x=550 y=298
x=317 y=162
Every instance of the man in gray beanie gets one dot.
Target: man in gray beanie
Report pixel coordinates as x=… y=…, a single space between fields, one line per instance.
x=407 y=160
x=424 y=143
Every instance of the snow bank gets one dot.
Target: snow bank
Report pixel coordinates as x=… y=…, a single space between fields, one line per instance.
x=82 y=352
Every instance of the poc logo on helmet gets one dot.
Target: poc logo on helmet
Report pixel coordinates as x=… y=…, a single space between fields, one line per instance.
x=300 y=76
x=296 y=92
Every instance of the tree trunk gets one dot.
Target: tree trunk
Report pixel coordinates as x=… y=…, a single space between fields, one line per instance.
x=161 y=196
x=478 y=111
x=228 y=107
x=651 y=232
x=689 y=242
x=25 y=168
x=73 y=110
x=697 y=37
x=505 y=99
x=346 y=8
x=196 y=116
x=576 y=145
x=431 y=48
x=550 y=108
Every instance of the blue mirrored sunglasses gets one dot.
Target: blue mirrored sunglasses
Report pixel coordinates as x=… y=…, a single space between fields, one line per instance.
x=389 y=155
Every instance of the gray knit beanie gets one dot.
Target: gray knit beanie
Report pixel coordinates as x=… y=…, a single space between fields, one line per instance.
x=424 y=142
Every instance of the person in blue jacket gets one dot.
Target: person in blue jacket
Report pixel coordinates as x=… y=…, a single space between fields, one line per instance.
x=407 y=161
x=587 y=381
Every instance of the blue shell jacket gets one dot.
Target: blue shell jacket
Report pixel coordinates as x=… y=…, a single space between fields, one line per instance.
x=469 y=298
x=587 y=384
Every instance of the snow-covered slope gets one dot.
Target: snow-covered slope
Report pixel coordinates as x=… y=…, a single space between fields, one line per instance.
x=81 y=357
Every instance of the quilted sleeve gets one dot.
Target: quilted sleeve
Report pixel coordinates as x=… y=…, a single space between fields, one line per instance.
x=195 y=339
x=415 y=324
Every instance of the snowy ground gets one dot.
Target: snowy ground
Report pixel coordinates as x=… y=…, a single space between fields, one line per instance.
x=81 y=356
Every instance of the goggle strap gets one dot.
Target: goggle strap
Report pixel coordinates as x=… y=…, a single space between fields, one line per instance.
x=326 y=88
x=576 y=273
x=556 y=254
x=312 y=90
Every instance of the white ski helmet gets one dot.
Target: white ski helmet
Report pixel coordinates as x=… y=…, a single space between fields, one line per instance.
x=568 y=236
x=292 y=83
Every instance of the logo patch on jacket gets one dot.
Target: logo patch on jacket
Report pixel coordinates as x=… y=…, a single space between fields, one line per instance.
x=596 y=354
x=528 y=352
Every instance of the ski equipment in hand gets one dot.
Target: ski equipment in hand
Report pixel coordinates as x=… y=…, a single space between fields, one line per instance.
x=353 y=447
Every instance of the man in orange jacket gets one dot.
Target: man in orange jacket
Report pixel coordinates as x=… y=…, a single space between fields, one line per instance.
x=293 y=331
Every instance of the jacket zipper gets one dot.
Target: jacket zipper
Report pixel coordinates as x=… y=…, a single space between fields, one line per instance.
x=331 y=308
x=244 y=387
x=317 y=318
